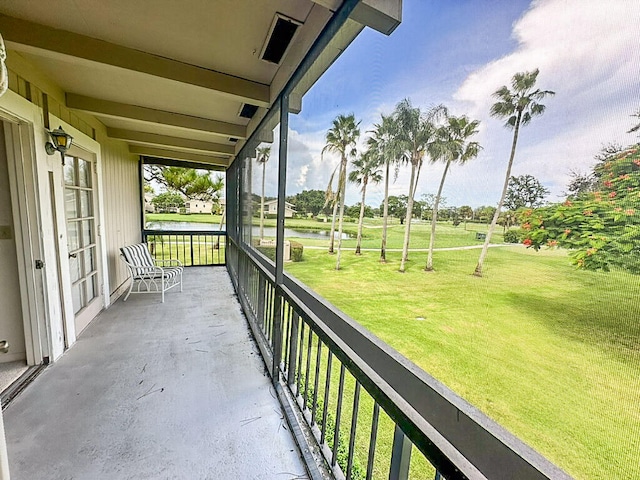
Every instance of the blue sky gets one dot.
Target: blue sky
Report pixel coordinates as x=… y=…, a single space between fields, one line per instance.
x=458 y=53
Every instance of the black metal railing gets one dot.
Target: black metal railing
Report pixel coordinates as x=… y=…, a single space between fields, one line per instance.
x=193 y=247
x=367 y=406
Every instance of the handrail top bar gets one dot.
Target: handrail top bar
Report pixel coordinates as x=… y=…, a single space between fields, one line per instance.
x=184 y=232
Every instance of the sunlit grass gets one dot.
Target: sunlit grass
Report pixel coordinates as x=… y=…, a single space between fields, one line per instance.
x=550 y=352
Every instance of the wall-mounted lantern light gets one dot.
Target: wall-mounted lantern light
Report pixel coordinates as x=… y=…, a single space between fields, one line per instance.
x=60 y=142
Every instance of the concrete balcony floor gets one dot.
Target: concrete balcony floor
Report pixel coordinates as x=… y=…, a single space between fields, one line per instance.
x=156 y=391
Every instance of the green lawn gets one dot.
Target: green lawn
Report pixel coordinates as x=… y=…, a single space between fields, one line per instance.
x=549 y=352
x=448 y=235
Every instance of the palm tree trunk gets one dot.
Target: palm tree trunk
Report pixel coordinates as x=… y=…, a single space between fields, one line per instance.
x=342 y=187
x=434 y=219
x=264 y=164
x=224 y=212
x=364 y=192
x=332 y=235
x=485 y=248
x=385 y=215
x=407 y=227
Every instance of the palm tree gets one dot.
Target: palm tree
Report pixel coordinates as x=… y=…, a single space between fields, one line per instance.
x=331 y=198
x=417 y=137
x=263 y=157
x=366 y=171
x=454 y=147
x=341 y=139
x=518 y=106
x=382 y=143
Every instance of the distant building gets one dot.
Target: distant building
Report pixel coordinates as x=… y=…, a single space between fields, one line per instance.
x=198 y=206
x=271 y=208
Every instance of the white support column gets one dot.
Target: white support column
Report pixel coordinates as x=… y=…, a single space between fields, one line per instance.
x=4 y=458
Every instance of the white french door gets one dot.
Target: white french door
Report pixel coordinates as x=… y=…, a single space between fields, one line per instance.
x=82 y=244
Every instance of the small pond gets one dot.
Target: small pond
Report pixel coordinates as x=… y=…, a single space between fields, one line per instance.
x=268 y=231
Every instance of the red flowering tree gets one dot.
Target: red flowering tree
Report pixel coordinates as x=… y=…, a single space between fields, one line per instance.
x=602 y=227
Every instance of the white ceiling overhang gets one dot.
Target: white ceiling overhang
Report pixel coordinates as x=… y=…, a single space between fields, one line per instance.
x=171 y=78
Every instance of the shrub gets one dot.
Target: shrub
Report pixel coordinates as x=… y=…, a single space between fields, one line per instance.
x=270 y=252
x=296 y=251
x=514 y=236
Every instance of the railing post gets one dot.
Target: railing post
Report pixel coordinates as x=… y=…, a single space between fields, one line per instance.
x=278 y=319
x=400 y=456
x=191 y=246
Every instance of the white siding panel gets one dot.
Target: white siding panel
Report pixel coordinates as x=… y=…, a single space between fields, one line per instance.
x=121 y=192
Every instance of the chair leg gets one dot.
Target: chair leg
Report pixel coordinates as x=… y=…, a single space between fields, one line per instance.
x=129 y=291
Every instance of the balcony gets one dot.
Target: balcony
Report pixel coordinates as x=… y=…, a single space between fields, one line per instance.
x=152 y=390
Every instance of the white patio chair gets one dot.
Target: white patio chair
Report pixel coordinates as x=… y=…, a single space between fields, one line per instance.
x=146 y=274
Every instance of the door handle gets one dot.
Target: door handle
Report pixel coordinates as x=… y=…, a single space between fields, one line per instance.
x=73 y=255
x=4 y=346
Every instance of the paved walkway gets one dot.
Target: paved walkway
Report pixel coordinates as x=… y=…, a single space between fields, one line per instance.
x=156 y=391
x=444 y=249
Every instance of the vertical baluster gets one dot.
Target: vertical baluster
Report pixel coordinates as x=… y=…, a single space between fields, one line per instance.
x=354 y=425
x=372 y=440
x=273 y=313
x=260 y=298
x=270 y=313
x=336 y=432
x=308 y=369
x=325 y=407
x=291 y=369
x=300 y=350
x=400 y=456
x=315 y=384
x=191 y=247
x=276 y=345
x=287 y=329
x=265 y=320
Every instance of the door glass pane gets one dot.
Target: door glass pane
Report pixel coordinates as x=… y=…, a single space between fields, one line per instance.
x=87 y=232
x=89 y=255
x=70 y=205
x=74 y=268
x=91 y=288
x=69 y=171
x=78 y=296
x=85 y=204
x=84 y=173
x=73 y=235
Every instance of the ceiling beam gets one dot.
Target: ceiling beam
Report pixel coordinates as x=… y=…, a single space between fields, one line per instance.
x=168 y=162
x=23 y=32
x=178 y=155
x=168 y=141
x=124 y=110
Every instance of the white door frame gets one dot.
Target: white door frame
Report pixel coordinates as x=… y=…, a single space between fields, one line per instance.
x=27 y=227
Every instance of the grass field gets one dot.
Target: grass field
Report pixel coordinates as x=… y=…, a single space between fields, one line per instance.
x=447 y=236
x=550 y=352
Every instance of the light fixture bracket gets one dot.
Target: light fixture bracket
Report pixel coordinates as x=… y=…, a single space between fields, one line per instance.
x=60 y=142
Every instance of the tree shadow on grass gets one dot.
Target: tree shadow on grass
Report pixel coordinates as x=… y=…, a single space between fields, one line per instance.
x=608 y=324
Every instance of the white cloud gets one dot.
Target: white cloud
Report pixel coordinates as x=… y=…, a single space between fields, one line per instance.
x=587 y=52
